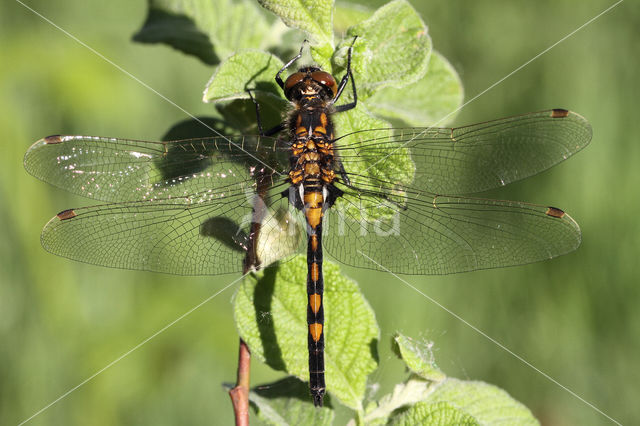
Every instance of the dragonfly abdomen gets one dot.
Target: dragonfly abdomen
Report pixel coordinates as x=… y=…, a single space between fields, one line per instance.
x=313 y=205
x=313 y=177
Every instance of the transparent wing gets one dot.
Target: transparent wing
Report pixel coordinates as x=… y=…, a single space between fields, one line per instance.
x=168 y=235
x=466 y=159
x=121 y=170
x=429 y=234
x=185 y=207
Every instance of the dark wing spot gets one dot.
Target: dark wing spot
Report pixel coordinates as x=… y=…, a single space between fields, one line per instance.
x=554 y=212
x=53 y=139
x=66 y=214
x=559 y=113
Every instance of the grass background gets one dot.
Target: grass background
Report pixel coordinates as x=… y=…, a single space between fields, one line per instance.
x=575 y=318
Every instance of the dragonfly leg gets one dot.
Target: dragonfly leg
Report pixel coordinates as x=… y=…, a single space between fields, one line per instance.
x=350 y=105
x=288 y=64
x=343 y=83
x=342 y=172
x=273 y=130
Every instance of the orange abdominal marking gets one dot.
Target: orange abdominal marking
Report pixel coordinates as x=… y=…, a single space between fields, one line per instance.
x=314 y=242
x=313 y=199
x=313 y=216
x=315 y=301
x=314 y=273
x=315 y=330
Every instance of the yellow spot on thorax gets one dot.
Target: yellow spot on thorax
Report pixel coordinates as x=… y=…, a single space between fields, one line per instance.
x=324 y=120
x=312 y=169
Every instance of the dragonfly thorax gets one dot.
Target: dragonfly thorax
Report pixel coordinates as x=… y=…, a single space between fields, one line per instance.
x=312 y=153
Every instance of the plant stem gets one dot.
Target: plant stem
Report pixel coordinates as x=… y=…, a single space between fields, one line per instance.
x=240 y=394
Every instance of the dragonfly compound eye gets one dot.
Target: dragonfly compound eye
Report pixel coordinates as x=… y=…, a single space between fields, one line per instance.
x=325 y=79
x=291 y=82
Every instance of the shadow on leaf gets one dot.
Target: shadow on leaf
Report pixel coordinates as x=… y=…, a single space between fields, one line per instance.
x=263 y=299
x=178 y=31
x=289 y=387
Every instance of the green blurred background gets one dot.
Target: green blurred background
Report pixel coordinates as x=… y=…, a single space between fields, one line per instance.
x=575 y=317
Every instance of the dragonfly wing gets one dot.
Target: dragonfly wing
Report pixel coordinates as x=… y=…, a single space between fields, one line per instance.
x=466 y=159
x=443 y=235
x=121 y=170
x=208 y=237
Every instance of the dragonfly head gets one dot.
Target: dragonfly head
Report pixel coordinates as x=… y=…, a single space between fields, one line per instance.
x=310 y=81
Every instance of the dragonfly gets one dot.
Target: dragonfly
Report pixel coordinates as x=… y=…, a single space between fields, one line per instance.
x=390 y=199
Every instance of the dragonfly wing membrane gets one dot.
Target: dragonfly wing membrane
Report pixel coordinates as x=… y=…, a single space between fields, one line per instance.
x=122 y=170
x=206 y=238
x=468 y=159
x=444 y=235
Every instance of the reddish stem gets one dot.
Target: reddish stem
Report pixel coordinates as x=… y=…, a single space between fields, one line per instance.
x=240 y=394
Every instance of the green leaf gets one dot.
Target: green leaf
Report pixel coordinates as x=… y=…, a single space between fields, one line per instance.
x=431 y=101
x=393 y=49
x=440 y=413
x=199 y=127
x=209 y=30
x=348 y=14
x=251 y=69
x=285 y=403
x=485 y=402
x=229 y=82
x=315 y=17
x=418 y=356
x=405 y=394
x=420 y=399
x=270 y=311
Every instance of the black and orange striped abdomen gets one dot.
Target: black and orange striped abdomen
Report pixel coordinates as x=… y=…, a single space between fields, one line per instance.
x=313 y=206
